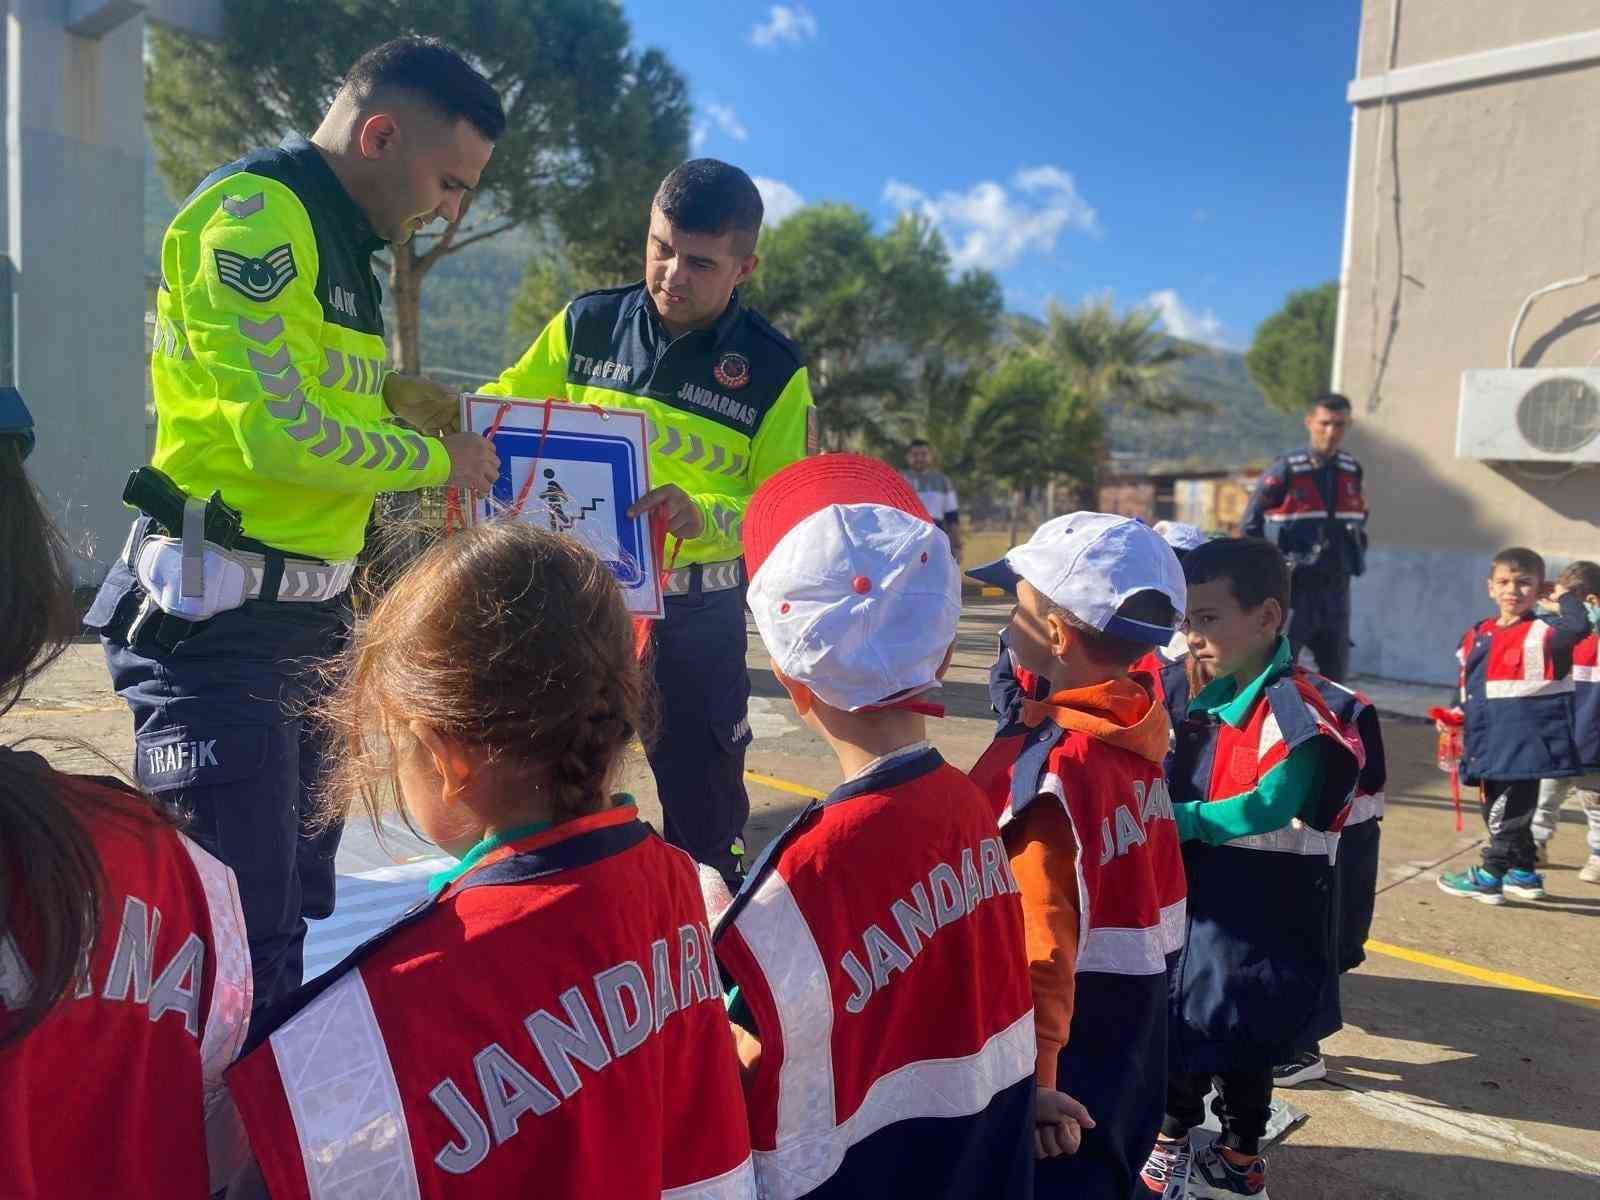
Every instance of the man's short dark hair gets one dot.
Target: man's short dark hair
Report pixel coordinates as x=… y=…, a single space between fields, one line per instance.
x=915 y=442
x=1519 y=558
x=706 y=195
x=1332 y=401
x=435 y=74
x=1109 y=650
x=1254 y=568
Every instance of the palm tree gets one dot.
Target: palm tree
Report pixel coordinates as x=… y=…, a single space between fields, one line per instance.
x=1116 y=359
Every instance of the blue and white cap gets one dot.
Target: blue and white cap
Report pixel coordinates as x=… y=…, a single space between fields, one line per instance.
x=1090 y=563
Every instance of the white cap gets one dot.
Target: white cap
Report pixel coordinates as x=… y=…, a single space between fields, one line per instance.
x=1090 y=563
x=1180 y=536
x=858 y=601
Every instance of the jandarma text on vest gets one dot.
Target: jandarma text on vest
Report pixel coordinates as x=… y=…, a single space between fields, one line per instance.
x=953 y=896
x=633 y=1005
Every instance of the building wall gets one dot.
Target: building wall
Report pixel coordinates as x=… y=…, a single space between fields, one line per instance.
x=74 y=232
x=1495 y=183
x=1128 y=496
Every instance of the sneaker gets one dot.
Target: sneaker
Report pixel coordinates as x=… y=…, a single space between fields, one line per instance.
x=1524 y=885
x=1475 y=882
x=1213 y=1177
x=1591 y=870
x=1306 y=1068
x=1166 y=1171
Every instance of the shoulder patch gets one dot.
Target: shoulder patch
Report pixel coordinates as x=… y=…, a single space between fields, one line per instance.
x=242 y=207
x=258 y=279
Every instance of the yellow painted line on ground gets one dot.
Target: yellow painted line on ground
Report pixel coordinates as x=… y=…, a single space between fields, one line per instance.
x=991 y=592
x=784 y=785
x=1515 y=983
x=1421 y=958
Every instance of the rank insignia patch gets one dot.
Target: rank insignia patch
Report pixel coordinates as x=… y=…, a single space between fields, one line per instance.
x=258 y=279
x=243 y=206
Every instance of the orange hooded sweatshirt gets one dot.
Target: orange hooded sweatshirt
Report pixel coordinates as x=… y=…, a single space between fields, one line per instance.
x=1121 y=712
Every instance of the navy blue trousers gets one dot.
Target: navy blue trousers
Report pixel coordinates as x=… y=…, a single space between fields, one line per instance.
x=697 y=755
x=219 y=732
x=1319 y=619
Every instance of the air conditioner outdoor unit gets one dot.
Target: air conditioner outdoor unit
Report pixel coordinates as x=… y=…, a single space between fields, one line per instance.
x=1530 y=415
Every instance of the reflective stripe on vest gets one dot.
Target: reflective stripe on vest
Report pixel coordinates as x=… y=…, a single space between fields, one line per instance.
x=1365 y=808
x=342 y=1094
x=810 y=1142
x=1117 y=950
x=232 y=986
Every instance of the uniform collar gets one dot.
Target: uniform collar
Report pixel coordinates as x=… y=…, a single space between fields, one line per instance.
x=534 y=836
x=1217 y=698
x=349 y=215
x=639 y=301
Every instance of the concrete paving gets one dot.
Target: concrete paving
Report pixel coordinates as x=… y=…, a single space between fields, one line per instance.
x=1455 y=1076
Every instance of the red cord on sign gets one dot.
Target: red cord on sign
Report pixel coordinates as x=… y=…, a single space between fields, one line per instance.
x=454 y=517
x=642 y=626
x=538 y=453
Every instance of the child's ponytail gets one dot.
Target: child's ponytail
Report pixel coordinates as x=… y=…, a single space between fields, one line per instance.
x=502 y=636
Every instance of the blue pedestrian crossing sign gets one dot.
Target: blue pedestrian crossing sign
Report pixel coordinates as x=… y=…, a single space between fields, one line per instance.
x=575 y=470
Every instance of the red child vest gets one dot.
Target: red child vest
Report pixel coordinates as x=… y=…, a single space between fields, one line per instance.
x=1519 y=709
x=878 y=946
x=1258 y=972
x=1130 y=896
x=1586 y=700
x=1130 y=871
x=110 y=1094
x=550 y=1025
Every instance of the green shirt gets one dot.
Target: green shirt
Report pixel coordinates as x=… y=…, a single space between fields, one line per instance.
x=443 y=879
x=1282 y=792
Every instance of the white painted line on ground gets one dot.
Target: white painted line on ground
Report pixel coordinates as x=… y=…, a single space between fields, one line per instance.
x=1467 y=1129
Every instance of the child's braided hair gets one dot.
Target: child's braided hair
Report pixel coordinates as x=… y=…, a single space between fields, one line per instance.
x=504 y=637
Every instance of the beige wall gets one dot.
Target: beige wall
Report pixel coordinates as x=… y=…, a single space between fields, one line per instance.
x=1435 y=29
x=1499 y=194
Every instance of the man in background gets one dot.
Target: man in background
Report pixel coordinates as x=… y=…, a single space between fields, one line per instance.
x=1309 y=504
x=934 y=489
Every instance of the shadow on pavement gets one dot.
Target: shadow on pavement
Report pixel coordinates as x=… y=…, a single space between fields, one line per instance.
x=1339 y=1173
x=1506 y=1054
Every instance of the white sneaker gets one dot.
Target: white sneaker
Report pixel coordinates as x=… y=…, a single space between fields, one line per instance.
x=1591 y=870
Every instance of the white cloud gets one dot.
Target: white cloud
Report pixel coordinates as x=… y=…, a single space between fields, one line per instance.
x=727 y=120
x=778 y=198
x=991 y=225
x=720 y=116
x=785 y=23
x=1182 y=321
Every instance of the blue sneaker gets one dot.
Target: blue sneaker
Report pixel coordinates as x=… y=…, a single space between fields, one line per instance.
x=1524 y=885
x=1474 y=882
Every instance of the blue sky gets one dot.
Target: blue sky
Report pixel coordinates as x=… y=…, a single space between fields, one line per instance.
x=1189 y=155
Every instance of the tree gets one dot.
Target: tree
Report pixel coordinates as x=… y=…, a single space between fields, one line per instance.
x=1291 y=358
x=874 y=313
x=1113 y=358
x=592 y=126
x=1030 y=427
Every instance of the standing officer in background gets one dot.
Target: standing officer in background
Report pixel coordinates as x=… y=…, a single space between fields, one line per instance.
x=727 y=403
x=934 y=489
x=1309 y=503
x=272 y=399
